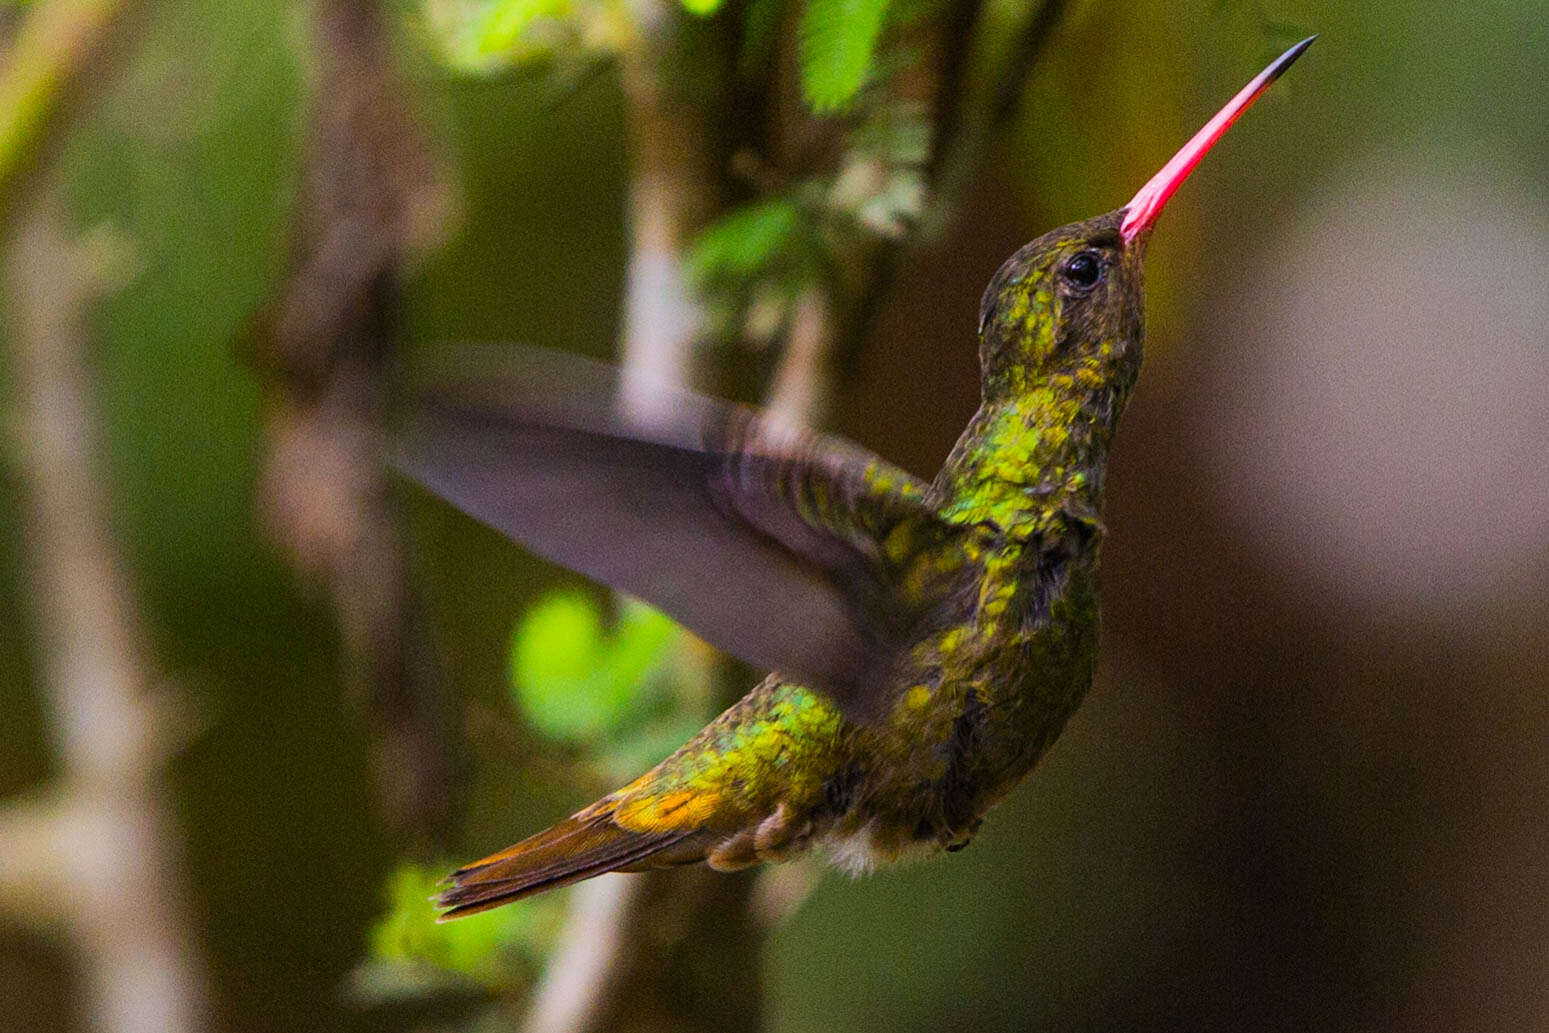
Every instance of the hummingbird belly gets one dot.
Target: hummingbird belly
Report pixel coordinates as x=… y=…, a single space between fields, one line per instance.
x=980 y=698
x=986 y=697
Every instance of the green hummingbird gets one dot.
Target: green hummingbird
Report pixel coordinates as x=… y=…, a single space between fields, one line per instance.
x=929 y=640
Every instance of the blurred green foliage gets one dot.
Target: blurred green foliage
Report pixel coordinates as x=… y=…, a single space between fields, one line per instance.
x=484 y=35
x=750 y=264
x=504 y=25
x=753 y=261
x=411 y=951
x=626 y=695
x=838 y=38
x=615 y=692
x=747 y=243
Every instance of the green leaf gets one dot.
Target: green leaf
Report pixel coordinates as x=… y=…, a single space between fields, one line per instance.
x=745 y=242
x=702 y=7
x=506 y=22
x=575 y=681
x=481 y=35
x=410 y=949
x=838 y=42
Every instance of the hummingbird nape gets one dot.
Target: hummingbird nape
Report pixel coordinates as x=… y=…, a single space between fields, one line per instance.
x=929 y=641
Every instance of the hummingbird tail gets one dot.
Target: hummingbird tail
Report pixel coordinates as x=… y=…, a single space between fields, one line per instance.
x=587 y=844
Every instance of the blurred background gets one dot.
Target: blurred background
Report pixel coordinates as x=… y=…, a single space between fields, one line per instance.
x=256 y=697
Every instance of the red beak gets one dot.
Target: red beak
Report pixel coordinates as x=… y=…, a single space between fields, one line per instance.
x=1140 y=214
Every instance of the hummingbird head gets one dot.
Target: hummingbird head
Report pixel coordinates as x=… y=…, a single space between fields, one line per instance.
x=1070 y=304
x=1067 y=310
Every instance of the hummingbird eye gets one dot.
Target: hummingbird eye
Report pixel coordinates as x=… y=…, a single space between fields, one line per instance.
x=1083 y=270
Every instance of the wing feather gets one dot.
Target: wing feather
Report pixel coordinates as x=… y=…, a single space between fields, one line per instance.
x=764 y=540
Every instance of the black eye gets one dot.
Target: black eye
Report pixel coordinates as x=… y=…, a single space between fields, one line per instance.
x=1083 y=270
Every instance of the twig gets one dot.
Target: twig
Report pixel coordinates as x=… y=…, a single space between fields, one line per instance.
x=799 y=393
x=57 y=39
x=671 y=195
x=101 y=853
x=1029 y=47
x=963 y=132
x=585 y=958
x=30 y=883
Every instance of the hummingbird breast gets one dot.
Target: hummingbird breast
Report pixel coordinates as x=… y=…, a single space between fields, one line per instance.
x=981 y=697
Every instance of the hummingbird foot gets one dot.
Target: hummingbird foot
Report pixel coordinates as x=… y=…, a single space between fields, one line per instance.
x=774 y=839
x=964 y=838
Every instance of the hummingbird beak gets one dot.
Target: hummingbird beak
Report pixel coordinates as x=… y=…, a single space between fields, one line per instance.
x=1142 y=211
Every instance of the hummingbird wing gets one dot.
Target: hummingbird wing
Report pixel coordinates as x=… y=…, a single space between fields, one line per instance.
x=764 y=540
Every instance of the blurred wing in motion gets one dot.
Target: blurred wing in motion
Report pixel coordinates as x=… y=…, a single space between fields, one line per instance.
x=763 y=540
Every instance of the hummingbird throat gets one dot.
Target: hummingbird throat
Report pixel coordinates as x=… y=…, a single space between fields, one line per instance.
x=1030 y=460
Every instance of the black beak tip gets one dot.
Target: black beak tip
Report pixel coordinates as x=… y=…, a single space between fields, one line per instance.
x=1287 y=59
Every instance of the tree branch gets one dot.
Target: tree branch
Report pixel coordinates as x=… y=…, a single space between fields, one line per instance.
x=962 y=133
x=30 y=883
x=671 y=196
x=102 y=852
x=370 y=198
x=972 y=130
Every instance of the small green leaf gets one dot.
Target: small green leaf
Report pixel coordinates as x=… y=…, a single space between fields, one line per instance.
x=506 y=22
x=838 y=42
x=575 y=681
x=481 y=35
x=702 y=7
x=407 y=938
x=745 y=242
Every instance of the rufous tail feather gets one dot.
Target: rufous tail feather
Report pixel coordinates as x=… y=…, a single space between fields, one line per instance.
x=587 y=844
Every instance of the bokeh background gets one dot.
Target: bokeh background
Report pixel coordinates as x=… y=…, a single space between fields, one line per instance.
x=1309 y=789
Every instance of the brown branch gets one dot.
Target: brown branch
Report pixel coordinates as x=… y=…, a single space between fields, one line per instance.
x=31 y=887
x=584 y=959
x=1030 y=45
x=671 y=196
x=684 y=954
x=799 y=392
x=101 y=851
x=370 y=199
x=956 y=47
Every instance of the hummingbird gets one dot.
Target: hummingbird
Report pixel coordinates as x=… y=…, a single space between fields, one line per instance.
x=929 y=640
